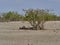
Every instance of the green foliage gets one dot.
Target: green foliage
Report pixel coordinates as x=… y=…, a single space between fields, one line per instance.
x=38 y=16
x=49 y=17
x=12 y=16
x=30 y=15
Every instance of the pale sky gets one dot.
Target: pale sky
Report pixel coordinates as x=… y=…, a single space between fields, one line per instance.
x=18 y=5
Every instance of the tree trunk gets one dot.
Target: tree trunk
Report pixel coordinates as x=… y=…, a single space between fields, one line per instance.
x=42 y=25
x=37 y=25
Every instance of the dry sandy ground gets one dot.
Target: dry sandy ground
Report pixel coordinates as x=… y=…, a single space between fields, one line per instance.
x=15 y=37
x=10 y=35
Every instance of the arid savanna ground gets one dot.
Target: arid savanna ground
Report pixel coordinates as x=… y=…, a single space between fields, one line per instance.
x=11 y=35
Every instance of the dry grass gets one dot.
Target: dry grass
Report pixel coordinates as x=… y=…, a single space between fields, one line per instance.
x=10 y=35
x=15 y=37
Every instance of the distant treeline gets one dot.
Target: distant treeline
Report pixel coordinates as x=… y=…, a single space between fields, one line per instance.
x=11 y=16
x=15 y=16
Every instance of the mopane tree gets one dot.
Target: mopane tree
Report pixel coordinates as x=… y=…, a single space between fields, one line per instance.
x=37 y=17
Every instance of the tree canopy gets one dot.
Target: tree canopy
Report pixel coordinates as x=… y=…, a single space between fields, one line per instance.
x=37 y=17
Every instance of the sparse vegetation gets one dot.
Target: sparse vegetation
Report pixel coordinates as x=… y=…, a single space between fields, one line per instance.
x=36 y=17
